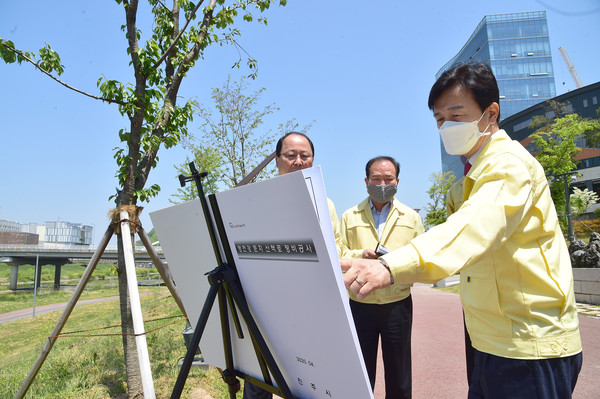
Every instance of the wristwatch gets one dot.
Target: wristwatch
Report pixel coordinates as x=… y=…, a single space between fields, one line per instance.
x=385 y=264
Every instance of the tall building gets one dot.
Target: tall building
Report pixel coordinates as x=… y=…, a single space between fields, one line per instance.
x=10 y=226
x=68 y=234
x=517 y=47
x=51 y=234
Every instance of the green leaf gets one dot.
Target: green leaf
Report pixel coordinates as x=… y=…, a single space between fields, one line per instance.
x=50 y=60
x=7 y=52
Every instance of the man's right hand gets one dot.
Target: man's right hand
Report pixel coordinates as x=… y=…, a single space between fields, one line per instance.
x=369 y=254
x=364 y=276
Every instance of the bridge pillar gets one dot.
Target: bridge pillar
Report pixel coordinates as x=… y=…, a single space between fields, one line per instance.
x=38 y=281
x=57 y=269
x=14 y=271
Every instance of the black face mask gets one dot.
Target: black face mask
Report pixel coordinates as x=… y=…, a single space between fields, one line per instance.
x=382 y=193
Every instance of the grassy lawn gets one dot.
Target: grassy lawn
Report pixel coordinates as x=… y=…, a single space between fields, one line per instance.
x=68 y=272
x=88 y=366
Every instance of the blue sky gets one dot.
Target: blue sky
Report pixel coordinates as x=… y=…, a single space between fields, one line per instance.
x=361 y=70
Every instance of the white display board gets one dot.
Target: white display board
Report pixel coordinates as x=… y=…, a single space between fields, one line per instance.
x=282 y=242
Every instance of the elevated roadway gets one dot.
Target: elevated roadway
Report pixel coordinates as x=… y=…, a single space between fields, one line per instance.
x=18 y=255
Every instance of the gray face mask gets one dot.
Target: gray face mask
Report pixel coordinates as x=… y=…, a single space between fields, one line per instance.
x=382 y=193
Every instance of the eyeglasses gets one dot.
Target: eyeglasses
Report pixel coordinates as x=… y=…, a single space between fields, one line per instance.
x=292 y=156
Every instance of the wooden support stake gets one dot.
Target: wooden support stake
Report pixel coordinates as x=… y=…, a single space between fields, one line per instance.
x=136 y=309
x=162 y=269
x=66 y=313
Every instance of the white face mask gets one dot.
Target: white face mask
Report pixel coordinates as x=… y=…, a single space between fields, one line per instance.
x=460 y=137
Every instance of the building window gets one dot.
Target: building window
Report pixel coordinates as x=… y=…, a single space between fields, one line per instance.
x=589 y=163
x=523 y=125
x=585 y=104
x=596 y=186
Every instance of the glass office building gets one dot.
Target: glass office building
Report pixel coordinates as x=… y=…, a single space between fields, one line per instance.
x=68 y=234
x=517 y=47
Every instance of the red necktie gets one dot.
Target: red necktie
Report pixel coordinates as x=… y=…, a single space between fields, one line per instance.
x=467 y=167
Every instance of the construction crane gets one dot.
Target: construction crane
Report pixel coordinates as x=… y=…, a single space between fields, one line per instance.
x=571 y=67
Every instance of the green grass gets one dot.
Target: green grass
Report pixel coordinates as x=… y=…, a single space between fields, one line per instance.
x=93 y=367
x=103 y=283
x=69 y=273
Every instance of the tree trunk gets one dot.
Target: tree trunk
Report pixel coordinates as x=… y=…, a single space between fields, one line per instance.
x=132 y=367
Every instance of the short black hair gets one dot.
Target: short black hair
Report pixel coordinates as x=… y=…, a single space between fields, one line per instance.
x=382 y=158
x=280 y=142
x=478 y=78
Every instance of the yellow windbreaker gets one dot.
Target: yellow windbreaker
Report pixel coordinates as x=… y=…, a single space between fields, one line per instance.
x=358 y=232
x=516 y=279
x=335 y=222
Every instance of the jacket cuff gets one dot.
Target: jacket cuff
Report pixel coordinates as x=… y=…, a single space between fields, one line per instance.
x=404 y=264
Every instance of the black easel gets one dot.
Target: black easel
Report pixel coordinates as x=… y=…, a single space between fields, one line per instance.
x=225 y=285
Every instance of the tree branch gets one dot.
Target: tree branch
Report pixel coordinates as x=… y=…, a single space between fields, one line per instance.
x=162 y=4
x=174 y=43
x=173 y=89
x=192 y=55
x=137 y=120
x=238 y=47
x=35 y=64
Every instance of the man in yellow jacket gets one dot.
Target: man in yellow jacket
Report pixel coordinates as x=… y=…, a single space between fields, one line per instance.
x=294 y=151
x=454 y=199
x=379 y=224
x=516 y=279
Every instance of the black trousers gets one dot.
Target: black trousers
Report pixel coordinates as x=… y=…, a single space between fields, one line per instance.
x=469 y=353
x=251 y=391
x=497 y=377
x=393 y=322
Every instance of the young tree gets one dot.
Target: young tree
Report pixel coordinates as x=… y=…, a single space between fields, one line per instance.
x=436 y=209
x=206 y=159
x=592 y=134
x=556 y=149
x=159 y=64
x=232 y=141
x=581 y=200
x=554 y=108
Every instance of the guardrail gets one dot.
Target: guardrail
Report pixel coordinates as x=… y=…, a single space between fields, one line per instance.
x=20 y=251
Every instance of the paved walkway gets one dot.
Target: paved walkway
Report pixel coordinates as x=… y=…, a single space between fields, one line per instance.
x=438 y=349
x=23 y=313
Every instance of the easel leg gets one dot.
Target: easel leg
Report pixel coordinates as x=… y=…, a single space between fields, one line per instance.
x=240 y=302
x=191 y=351
x=228 y=375
x=162 y=270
